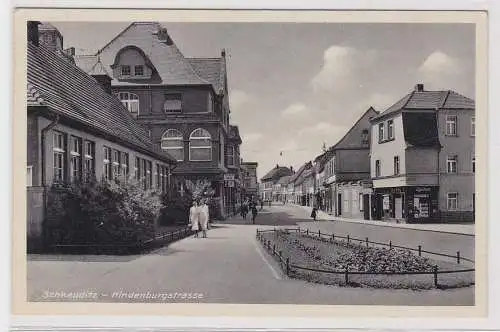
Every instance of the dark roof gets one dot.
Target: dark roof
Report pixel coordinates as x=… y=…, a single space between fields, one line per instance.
x=276 y=173
x=210 y=69
x=299 y=172
x=68 y=91
x=352 y=139
x=284 y=179
x=161 y=52
x=420 y=129
x=430 y=100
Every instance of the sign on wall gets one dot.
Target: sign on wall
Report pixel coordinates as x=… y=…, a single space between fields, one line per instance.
x=386 y=202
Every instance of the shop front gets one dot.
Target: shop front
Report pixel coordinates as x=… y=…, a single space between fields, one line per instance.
x=406 y=204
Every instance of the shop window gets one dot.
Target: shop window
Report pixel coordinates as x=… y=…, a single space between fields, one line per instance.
x=360 y=202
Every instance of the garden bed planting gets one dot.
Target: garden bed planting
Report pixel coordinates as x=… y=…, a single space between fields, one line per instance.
x=370 y=266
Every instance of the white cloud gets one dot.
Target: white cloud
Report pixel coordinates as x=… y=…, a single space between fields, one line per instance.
x=320 y=128
x=379 y=101
x=252 y=137
x=238 y=98
x=295 y=109
x=341 y=66
x=439 y=63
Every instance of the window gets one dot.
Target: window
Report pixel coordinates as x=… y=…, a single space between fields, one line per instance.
x=200 y=145
x=390 y=129
x=144 y=174
x=452 y=201
x=364 y=137
x=451 y=125
x=451 y=163
x=150 y=174
x=137 y=169
x=89 y=158
x=76 y=158
x=360 y=202
x=116 y=164
x=396 y=165
x=381 y=132
x=173 y=143
x=29 y=176
x=139 y=70
x=173 y=103
x=125 y=165
x=158 y=175
x=107 y=163
x=377 y=168
x=230 y=155
x=130 y=101
x=473 y=164
x=473 y=126
x=125 y=70
x=59 y=156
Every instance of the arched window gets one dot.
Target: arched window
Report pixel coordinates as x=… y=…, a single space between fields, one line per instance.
x=130 y=101
x=173 y=143
x=200 y=145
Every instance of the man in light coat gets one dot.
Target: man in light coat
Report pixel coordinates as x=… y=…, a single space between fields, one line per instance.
x=194 y=218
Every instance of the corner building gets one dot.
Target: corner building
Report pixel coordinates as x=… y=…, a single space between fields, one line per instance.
x=182 y=102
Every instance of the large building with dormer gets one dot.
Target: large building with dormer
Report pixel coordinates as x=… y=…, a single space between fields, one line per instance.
x=183 y=104
x=423 y=158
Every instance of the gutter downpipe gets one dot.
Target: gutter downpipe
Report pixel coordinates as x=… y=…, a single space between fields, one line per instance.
x=43 y=175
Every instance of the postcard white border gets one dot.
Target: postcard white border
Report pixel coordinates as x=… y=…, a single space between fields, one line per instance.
x=394 y=311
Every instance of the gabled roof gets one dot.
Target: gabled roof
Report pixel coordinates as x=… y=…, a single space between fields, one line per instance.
x=352 y=139
x=152 y=40
x=210 y=69
x=71 y=93
x=299 y=172
x=276 y=173
x=429 y=100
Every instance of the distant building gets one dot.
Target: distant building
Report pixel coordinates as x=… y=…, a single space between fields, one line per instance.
x=250 y=183
x=271 y=179
x=76 y=129
x=182 y=102
x=346 y=174
x=296 y=182
x=423 y=158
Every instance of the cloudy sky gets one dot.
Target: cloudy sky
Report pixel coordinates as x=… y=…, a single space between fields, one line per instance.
x=296 y=86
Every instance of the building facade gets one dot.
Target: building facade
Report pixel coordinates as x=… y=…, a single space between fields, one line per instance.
x=270 y=188
x=182 y=102
x=77 y=129
x=422 y=158
x=251 y=185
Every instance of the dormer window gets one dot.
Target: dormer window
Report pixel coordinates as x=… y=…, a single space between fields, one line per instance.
x=125 y=70
x=139 y=70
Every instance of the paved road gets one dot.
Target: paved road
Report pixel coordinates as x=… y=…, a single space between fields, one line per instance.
x=227 y=267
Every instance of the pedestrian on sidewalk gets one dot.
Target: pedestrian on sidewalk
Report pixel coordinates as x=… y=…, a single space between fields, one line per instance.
x=254 y=211
x=261 y=204
x=204 y=217
x=194 y=217
x=244 y=209
x=314 y=213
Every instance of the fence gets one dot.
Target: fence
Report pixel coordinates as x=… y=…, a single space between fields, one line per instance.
x=287 y=265
x=127 y=247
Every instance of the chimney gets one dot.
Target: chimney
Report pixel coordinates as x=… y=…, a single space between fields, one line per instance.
x=419 y=88
x=223 y=53
x=291 y=169
x=70 y=51
x=32 y=28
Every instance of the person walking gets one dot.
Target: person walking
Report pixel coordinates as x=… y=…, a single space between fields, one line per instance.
x=244 y=209
x=254 y=211
x=204 y=217
x=194 y=218
x=314 y=213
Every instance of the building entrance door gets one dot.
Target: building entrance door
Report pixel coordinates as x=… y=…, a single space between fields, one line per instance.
x=339 y=204
x=398 y=207
x=366 y=206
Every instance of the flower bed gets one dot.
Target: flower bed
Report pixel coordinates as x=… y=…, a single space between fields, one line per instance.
x=367 y=266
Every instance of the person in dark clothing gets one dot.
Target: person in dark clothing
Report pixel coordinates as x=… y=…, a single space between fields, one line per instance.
x=253 y=208
x=314 y=213
x=261 y=204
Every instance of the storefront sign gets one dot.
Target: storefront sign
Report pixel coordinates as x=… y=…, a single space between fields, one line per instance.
x=422 y=189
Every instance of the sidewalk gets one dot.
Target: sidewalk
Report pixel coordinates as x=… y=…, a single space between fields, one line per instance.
x=465 y=229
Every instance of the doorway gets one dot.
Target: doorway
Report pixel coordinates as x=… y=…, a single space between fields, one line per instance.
x=398 y=207
x=366 y=206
